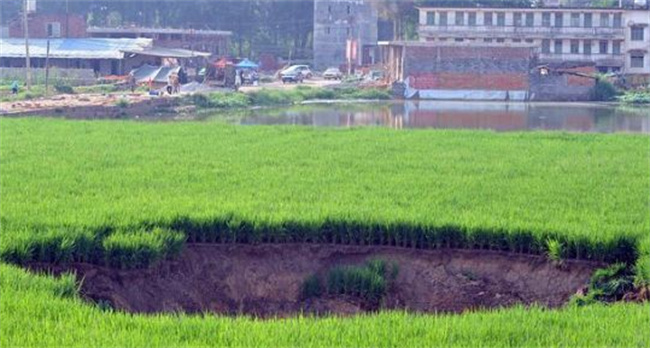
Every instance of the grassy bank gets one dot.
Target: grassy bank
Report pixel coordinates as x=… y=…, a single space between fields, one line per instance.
x=635 y=97
x=282 y=97
x=67 y=186
x=43 y=312
x=38 y=91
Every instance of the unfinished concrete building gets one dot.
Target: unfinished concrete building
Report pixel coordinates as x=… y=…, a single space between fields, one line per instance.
x=344 y=29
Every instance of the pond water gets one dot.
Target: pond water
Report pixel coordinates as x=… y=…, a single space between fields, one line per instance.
x=498 y=116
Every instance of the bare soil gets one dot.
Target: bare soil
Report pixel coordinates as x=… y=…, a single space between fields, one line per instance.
x=266 y=280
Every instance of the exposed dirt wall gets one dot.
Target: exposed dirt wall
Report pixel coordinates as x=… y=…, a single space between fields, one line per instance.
x=266 y=280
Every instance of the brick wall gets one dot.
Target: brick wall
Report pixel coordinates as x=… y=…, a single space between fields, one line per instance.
x=562 y=86
x=484 y=68
x=492 y=69
x=470 y=80
x=76 y=26
x=574 y=80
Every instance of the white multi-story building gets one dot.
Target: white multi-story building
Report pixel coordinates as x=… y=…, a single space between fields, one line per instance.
x=637 y=42
x=615 y=39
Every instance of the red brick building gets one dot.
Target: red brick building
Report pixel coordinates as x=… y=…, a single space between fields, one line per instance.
x=42 y=26
x=432 y=70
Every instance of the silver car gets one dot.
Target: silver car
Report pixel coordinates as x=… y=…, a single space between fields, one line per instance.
x=332 y=74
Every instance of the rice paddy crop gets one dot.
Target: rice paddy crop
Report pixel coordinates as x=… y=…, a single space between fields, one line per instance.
x=39 y=311
x=67 y=185
x=128 y=194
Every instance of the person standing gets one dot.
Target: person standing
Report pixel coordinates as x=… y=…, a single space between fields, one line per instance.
x=132 y=82
x=238 y=79
x=176 y=83
x=14 y=87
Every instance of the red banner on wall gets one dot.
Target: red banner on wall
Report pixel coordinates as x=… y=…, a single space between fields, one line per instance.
x=351 y=50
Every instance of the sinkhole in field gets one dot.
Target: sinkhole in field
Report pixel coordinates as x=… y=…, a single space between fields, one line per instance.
x=268 y=280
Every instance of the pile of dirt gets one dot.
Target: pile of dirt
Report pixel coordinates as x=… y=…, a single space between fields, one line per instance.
x=266 y=280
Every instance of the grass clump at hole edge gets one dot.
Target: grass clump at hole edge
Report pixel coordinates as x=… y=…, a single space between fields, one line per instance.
x=142 y=248
x=369 y=281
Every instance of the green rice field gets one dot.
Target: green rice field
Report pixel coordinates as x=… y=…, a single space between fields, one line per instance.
x=40 y=312
x=128 y=194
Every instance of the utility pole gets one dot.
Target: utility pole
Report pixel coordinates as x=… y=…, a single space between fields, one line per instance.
x=67 y=19
x=47 y=68
x=28 y=72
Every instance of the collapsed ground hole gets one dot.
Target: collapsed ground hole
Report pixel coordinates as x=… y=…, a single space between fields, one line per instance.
x=266 y=280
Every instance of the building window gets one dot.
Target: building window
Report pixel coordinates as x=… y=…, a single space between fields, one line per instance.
x=516 y=40
x=501 y=19
x=616 y=47
x=471 y=18
x=460 y=18
x=329 y=9
x=517 y=19
x=348 y=31
x=54 y=29
x=487 y=18
x=487 y=40
x=328 y=30
x=501 y=40
x=349 y=9
x=604 y=19
x=618 y=20
x=637 y=60
x=530 y=19
x=442 y=39
x=587 y=47
x=431 y=18
x=558 y=47
x=458 y=40
x=637 y=33
x=588 y=17
x=530 y=41
x=443 y=18
x=603 y=47
x=546 y=46
x=559 y=19
x=575 y=46
x=546 y=19
x=575 y=19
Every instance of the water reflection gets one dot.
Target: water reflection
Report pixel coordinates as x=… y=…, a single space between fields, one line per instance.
x=574 y=117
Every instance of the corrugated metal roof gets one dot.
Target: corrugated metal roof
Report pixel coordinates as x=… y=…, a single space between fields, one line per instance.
x=73 y=48
x=139 y=30
x=159 y=74
x=169 y=52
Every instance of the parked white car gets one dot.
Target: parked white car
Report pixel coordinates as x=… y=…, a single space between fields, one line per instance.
x=304 y=70
x=332 y=74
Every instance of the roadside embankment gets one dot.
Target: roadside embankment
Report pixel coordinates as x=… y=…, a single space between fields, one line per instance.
x=141 y=105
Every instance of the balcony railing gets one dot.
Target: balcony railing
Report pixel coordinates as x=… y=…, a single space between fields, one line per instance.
x=511 y=31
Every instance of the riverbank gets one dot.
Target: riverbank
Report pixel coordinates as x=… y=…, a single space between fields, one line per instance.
x=635 y=98
x=119 y=105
